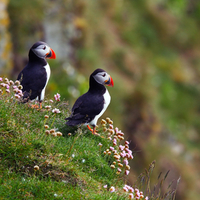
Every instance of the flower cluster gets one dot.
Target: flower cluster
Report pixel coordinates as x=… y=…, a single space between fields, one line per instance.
x=9 y=86
x=57 y=97
x=134 y=193
x=49 y=107
x=121 y=154
x=56 y=111
x=52 y=132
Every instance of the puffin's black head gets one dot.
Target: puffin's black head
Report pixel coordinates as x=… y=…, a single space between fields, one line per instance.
x=42 y=50
x=102 y=77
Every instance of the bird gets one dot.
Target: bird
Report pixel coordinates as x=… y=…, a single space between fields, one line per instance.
x=90 y=106
x=35 y=75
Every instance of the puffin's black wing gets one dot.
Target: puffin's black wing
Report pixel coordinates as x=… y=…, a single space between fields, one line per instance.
x=85 y=109
x=33 y=80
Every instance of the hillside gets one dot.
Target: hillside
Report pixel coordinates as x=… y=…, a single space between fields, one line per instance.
x=151 y=50
x=42 y=158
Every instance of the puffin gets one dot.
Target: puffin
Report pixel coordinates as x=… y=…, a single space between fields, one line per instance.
x=35 y=75
x=90 y=106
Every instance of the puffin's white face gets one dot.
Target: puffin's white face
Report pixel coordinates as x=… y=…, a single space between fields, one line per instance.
x=42 y=51
x=103 y=78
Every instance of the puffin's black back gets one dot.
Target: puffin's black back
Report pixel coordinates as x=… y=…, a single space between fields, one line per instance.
x=89 y=104
x=33 y=77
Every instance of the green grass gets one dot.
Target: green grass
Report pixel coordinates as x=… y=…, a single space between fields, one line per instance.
x=35 y=163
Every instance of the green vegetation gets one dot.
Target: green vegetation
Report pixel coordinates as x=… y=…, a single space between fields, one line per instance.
x=151 y=50
x=42 y=158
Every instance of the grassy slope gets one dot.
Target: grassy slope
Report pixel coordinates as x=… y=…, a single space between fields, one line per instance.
x=36 y=165
x=70 y=167
x=148 y=39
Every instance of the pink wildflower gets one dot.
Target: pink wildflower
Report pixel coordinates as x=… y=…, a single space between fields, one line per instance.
x=121 y=147
x=125 y=161
x=122 y=154
x=117 y=156
x=57 y=97
x=114 y=143
x=125 y=189
x=112 y=189
x=120 y=133
x=127 y=142
x=114 y=151
x=110 y=126
x=130 y=196
x=127 y=186
x=111 y=148
x=20 y=93
x=131 y=189
x=129 y=153
x=17 y=96
x=127 y=172
x=114 y=140
x=136 y=190
x=116 y=130
x=137 y=193
x=129 y=156
x=119 y=170
x=55 y=110
x=11 y=82
x=100 y=144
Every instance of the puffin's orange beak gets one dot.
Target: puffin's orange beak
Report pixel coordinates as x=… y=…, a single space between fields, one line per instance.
x=109 y=82
x=51 y=54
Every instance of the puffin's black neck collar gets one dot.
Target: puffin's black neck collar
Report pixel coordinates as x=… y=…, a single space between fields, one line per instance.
x=96 y=87
x=35 y=59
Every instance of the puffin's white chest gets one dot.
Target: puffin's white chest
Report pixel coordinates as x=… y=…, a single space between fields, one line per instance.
x=107 y=99
x=48 y=71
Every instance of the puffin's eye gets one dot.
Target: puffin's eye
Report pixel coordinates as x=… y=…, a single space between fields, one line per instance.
x=44 y=47
x=104 y=75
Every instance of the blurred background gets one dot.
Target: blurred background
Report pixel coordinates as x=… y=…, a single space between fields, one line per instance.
x=151 y=48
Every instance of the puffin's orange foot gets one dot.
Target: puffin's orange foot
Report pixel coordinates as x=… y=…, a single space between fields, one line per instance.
x=40 y=105
x=89 y=128
x=94 y=132
x=34 y=106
